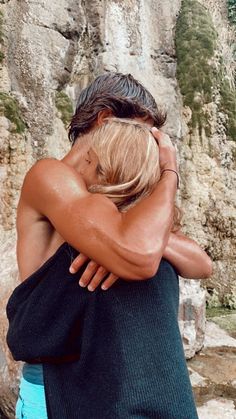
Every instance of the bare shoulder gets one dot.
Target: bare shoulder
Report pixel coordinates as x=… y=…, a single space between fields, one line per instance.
x=51 y=170
x=52 y=180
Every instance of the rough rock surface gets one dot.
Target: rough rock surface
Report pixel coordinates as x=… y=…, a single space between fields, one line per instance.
x=213 y=371
x=52 y=46
x=192 y=319
x=217 y=409
x=208 y=169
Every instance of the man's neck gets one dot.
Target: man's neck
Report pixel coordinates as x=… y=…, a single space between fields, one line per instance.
x=73 y=157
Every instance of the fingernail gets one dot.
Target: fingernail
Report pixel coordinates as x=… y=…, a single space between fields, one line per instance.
x=104 y=288
x=90 y=288
x=82 y=284
x=72 y=271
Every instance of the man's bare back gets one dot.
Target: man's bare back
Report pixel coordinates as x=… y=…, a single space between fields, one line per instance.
x=37 y=242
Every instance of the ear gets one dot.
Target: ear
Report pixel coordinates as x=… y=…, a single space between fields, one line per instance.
x=105 y=113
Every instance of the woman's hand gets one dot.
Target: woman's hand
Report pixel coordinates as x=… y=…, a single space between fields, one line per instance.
x=167 y=151
x=93 y=275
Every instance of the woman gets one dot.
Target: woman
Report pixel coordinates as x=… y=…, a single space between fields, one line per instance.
x=138 y=379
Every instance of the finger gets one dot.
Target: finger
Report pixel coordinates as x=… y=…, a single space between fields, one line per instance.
x=156 y=133
x=88 y=273
x=161 y=137
x=98 y=278
x=78 y=263
x=109 y=281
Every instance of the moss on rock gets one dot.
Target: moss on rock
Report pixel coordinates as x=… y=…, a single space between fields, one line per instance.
x=1 y=28
x=232 y=11
x=228 y=106
x=195 y=46
x=218 y=311
x=10 y=109
x=64 y=106
x=198 y=76
x=2 y=56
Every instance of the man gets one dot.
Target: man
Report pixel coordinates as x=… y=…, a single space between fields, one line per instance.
x=128 y=245
x=46 y=314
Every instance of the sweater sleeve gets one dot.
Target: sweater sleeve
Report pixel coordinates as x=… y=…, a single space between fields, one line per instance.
x=45 y=312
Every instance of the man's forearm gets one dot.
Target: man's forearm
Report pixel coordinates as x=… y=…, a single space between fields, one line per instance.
x=150 y=221
x=130 y=244
x=187 y=257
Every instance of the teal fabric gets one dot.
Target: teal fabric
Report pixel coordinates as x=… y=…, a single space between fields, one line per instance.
x=31 y=403
x=33 y=373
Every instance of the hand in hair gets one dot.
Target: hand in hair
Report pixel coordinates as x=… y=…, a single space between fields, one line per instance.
x=94 y=274
x=167 y=152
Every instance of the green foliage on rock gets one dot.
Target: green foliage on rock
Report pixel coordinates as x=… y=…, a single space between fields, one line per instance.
x=1 y=27
x=232 y=11
x=198 y=76
x=2 y=56
x=228 y=92
x=217 y=311
x=228 y=106
x=10 y=109
x=64 y=106
x=195 y=45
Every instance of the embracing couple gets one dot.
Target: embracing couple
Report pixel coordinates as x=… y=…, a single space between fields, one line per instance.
x=99 y=251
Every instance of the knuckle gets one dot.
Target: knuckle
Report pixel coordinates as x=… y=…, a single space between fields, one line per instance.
x=101 y=270
x=92 y=265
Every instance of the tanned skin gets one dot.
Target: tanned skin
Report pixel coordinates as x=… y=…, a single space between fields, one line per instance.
x=55 y=206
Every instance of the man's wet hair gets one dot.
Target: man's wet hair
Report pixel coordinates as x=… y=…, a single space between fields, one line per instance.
x=120 y=93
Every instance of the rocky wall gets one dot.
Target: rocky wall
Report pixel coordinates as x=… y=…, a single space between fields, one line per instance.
x=53 y=49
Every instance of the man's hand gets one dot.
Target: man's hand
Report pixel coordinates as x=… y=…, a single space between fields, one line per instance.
x=93 y=274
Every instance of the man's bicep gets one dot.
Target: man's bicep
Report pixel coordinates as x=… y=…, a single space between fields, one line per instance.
x=89 y=222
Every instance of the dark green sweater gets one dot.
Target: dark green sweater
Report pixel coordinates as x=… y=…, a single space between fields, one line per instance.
x=132 y=363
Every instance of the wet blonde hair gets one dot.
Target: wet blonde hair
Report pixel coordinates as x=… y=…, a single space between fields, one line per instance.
x=128 y=168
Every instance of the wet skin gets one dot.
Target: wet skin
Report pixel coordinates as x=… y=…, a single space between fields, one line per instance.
x=55 y=206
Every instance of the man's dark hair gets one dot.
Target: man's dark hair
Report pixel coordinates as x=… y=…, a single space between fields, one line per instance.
x=124 y=96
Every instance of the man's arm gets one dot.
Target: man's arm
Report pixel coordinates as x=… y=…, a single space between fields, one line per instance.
x=183 y=253
x=187 y=257
x=125 y=244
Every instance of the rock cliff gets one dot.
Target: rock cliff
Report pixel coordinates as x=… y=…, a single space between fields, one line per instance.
x=50 y=50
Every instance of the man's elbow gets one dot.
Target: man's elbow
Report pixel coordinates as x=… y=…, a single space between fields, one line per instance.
x=207 y=268
x=147 y=267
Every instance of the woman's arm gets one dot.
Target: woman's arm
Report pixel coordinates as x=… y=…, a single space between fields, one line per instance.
x=187 y=257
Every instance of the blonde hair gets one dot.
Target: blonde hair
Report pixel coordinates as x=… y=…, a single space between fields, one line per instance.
x=128 y=168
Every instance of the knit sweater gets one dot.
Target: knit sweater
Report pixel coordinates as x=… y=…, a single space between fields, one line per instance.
x=132 y=362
